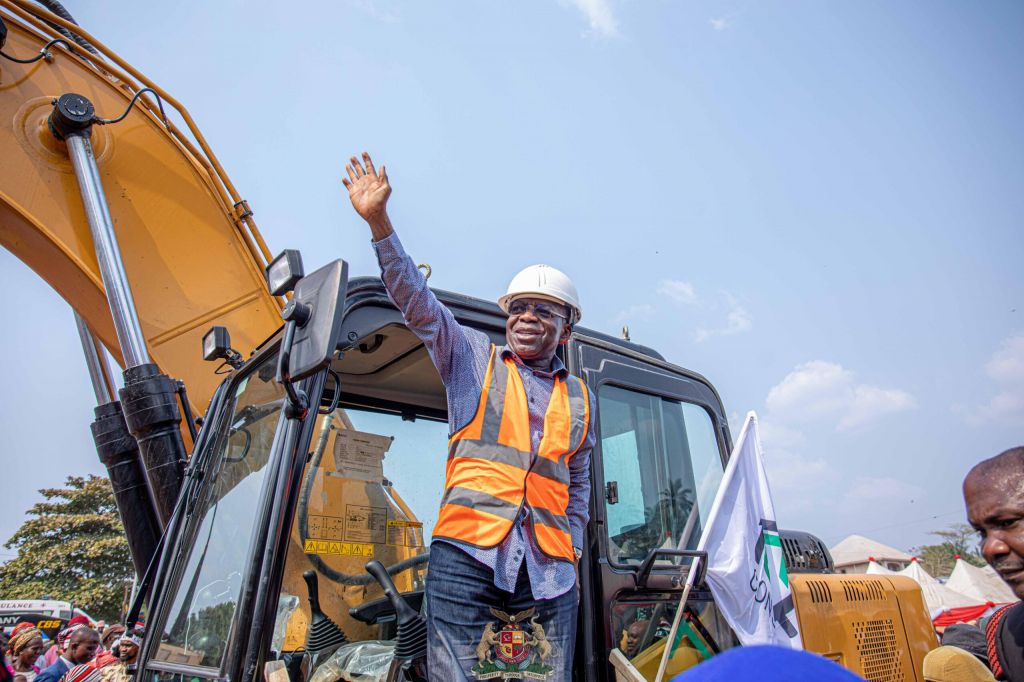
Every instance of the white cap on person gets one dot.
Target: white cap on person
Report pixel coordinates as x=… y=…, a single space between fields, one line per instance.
x=546 y=282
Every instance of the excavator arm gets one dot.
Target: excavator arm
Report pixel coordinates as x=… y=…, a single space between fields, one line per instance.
x=192 y=253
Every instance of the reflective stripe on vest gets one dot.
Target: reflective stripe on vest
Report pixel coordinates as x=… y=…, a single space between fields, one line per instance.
x=489 y=476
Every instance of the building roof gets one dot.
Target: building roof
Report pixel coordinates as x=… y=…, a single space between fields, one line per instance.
x=858 y=549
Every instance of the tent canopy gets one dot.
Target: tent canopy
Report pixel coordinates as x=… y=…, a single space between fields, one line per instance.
x=875 y=568
x=982 y=584
x=937 y=597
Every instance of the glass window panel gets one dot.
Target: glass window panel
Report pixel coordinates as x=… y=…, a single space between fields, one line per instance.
x=376 y=500
x=641 y=626
x=662 y=467
x=197 y=628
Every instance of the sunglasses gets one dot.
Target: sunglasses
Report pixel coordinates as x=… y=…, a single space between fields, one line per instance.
x=543 y=311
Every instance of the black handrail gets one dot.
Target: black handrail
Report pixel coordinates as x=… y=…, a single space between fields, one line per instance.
x=643 y=572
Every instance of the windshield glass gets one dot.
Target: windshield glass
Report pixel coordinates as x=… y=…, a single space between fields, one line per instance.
x=370 y=491
x=197 y=628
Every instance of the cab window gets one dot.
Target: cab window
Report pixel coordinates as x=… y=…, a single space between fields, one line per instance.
x=661 y=466
x=370 y=491
x=198 y=626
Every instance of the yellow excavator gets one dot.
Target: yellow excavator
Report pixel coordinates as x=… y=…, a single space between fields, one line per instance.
x=283 y=534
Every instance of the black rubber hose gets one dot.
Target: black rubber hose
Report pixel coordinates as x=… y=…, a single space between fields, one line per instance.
x=58 y=9
x=318 y=563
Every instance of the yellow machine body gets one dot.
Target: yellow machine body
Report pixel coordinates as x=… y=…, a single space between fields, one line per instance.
x=875 y=625
x=194 y=258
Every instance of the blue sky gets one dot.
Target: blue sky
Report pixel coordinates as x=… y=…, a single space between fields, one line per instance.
x=816 y=205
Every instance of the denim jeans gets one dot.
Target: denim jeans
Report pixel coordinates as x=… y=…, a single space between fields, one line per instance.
x=479 y=632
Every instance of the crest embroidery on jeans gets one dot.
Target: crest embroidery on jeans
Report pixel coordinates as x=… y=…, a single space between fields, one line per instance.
x=512 y=653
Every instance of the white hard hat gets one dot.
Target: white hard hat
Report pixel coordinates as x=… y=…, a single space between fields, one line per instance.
x=543 y=281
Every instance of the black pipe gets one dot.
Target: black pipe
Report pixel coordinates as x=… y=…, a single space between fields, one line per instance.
x=120 y=454
x=58 y=9
x=151 y=410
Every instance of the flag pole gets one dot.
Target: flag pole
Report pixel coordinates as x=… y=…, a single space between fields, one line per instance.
x=694 y=570
x=671 y=641
x=730 y=470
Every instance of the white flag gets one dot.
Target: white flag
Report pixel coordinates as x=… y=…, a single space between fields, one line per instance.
x=746 y=568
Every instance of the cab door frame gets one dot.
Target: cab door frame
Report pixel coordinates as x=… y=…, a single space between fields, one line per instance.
x=600 y=362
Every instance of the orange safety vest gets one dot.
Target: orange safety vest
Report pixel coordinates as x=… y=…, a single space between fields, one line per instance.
x=489 y=474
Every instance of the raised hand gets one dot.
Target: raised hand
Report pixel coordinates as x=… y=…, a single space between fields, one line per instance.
x=368 y=191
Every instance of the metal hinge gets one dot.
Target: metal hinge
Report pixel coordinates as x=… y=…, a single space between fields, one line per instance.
x=242 y=210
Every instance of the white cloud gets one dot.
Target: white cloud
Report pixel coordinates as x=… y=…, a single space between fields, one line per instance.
x=811 y=390
x=1007 y=364
x=869 y=489
x=796 y=480
x=777 y=435
x=635 y=313
x=377 y=10
x=1003 y=407
x=1006 y=369
x=677 y=290
x=803 y=470
x=599 y=16
x=825 y=390
x=720 y=24
x=737 y=321
x=871 y=402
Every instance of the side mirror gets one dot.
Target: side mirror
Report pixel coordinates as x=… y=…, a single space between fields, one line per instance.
x=312 y=327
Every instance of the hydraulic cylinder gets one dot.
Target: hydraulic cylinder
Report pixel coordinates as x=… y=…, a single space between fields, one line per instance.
x=149 y=398
x=120 y=454
x=150 y=401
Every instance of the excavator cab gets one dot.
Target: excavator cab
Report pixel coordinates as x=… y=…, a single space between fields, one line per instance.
x=304 y=476
x=289 y=537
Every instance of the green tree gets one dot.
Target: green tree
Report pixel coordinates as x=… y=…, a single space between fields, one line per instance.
x=72 y=548
x=958 y=539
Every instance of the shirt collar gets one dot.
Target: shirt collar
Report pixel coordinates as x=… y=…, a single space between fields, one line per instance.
x=557 y=366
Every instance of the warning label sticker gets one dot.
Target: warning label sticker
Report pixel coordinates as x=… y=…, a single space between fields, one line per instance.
x=339 y=548
x=326 y=527
x=401 y=533
x=404 y=523
x=365 y=524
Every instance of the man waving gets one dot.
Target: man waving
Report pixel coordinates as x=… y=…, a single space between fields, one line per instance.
x=500 y=592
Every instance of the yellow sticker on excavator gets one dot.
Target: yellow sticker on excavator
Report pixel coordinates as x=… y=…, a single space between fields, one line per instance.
x=404 y=524
x=338 y=548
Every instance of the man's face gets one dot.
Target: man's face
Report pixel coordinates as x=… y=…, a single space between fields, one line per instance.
x=84 y=644
x=633 y=636
x=535 y=327
x=128 y=651
x=995 y=507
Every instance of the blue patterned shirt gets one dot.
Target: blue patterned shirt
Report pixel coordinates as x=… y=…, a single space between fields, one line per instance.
x=460 y=355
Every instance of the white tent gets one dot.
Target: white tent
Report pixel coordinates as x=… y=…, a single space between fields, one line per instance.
x=937 y=597
x=982 y=584
x=875 y=568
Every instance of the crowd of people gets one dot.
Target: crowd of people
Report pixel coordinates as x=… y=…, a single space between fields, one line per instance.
x=81 y=652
